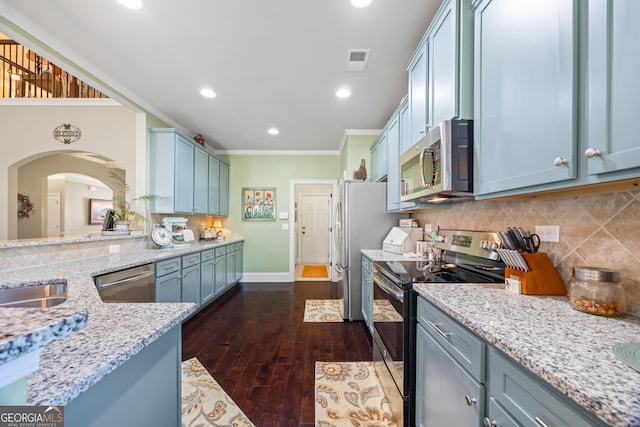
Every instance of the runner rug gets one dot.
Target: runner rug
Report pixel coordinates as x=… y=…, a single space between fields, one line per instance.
x=349 y=394
x=204 y=402
x=315 y=272
x=323 y=310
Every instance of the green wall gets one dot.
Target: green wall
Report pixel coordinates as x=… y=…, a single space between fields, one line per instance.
x=356 y=148
x=266 y=247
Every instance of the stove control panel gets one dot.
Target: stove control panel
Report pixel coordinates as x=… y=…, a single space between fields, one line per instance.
x=476 y=243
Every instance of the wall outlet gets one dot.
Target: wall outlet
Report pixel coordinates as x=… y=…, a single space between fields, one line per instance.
x=114 y=249
x=548 y=233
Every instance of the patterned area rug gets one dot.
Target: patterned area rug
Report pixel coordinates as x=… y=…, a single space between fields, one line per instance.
x=204 y=402
x=349 y=394
x=323 y=310
x=383 y=311
x=315 y=271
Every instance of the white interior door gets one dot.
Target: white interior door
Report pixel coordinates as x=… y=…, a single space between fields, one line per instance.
x=315 y=217
x=53 y=215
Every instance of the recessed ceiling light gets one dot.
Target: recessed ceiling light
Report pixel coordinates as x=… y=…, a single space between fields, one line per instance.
x=273 y=131
x=207 y=93
x=132 y=4
x=361 y=3
x=343 y=93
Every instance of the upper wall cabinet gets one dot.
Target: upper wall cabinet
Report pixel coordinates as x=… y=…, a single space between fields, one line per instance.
x=525 y=114
x=379 y=161
x=613 y=86
x=185 y=177
x=440 y=71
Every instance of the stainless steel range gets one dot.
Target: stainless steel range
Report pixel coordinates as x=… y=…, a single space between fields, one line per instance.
x=462 y=257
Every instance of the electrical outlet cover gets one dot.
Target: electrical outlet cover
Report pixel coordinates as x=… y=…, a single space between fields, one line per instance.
x=548 y=233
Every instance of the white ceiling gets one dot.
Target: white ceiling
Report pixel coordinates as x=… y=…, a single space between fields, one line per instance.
x=271 y=62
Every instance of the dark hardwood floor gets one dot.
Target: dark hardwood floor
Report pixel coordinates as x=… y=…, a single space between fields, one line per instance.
x=254 y=343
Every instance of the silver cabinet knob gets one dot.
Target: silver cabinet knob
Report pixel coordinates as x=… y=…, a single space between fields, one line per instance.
x=591 y=152
x=470 y=400
x=559 y=161
x=489 y=423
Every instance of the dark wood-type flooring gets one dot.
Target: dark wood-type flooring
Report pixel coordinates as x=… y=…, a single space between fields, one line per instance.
x=254 y=343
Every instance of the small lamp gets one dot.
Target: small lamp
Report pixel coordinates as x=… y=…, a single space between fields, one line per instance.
x=217 y=225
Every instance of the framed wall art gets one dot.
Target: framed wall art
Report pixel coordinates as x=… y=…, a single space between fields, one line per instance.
x=97 y=210
x=258 y=203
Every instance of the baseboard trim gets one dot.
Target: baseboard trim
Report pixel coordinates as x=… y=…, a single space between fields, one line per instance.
x=265 y=277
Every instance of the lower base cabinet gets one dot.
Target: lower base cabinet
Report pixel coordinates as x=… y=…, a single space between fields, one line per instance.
x=144 y=391
x=457 y=386
x=367 y=293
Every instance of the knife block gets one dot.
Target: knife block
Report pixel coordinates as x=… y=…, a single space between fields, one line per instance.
x=542 y=277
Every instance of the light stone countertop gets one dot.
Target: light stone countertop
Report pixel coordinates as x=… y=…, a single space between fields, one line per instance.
x=569 y=349
x=85 y=338
x=380 y=255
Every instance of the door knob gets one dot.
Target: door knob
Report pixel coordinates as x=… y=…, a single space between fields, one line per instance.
x=591 y=152
x=559 y=161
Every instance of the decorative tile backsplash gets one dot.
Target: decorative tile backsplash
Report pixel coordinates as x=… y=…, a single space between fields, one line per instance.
x=599 y=230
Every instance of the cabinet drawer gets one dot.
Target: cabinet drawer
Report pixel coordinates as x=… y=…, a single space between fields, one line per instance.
x=237 y=246
x=191 y=259
x=168 y=266
x=221 y=251
x=207 y=255
x=465 y=347
x=528 y=398
x=366 y=265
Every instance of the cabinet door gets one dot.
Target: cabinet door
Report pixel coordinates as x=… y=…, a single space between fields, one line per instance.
x=381 y=152
x=191 y=284
x=443 y=88
x=525 y=93
x=224 y=190
x=231 y=267
x=207 y=281
x=497 y=416
x=169 y=287
x=367 y=293
x=238 y=264
x=220 y=274
x=374 y=163
x=446 y=395
x=200 y=182
x=213 y=207
x=393 y=166
x=405 y=128
x=418 y=92
x=613 y=85
x=184 y=169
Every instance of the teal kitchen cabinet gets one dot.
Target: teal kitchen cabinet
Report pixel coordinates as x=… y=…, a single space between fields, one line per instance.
x=528 y=400
x=392 y=131
x=220 y=269
x=168 y=280
x=191 y=278
x=463 y=380
x=223 y=190
x=207 y=276
x=379 y=158
x=213 y=206
x=200 y=181
x=613 y=88
x=143 y=391
x=186 y=178
x=367 y=293
x=446 y=394
x=231 y=266
x=441 y=70
x=525 y=130
x=238 y=248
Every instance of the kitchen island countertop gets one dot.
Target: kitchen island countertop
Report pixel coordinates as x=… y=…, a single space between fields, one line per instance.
x=569 y=349
x=84 y=338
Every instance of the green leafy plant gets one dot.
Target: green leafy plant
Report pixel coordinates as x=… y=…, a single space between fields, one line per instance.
x=122 y=210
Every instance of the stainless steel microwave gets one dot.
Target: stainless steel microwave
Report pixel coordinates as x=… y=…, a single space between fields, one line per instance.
x=439 y=167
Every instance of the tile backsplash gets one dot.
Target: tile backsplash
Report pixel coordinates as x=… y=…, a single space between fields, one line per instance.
x=598 y=230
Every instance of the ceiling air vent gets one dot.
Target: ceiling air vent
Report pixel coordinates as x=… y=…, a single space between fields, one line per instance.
x=357 y=59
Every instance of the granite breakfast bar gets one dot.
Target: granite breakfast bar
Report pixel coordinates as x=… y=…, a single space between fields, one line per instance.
x=98 y=340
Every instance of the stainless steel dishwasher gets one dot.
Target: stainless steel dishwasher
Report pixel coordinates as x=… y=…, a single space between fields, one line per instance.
x=136 y=284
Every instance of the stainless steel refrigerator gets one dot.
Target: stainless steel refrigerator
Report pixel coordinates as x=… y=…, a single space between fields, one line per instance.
x=361 y=221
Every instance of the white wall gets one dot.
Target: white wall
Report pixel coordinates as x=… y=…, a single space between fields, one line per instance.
x=107 y=128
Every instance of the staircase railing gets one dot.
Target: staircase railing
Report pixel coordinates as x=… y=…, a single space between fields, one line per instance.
x=25 y=74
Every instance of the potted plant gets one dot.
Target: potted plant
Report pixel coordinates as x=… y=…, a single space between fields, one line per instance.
x=122 y=213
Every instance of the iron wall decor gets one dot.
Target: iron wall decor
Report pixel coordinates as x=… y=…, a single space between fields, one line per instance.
x=259 y=203
x=67 y=133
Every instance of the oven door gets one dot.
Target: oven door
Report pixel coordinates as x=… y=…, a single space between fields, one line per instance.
x=388 y=338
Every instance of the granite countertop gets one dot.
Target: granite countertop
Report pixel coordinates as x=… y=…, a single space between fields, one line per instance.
x=569 y=349
x=380 y=255
x=85 y=338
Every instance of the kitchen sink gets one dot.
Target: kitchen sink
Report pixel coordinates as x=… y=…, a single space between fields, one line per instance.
x=38 y=296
